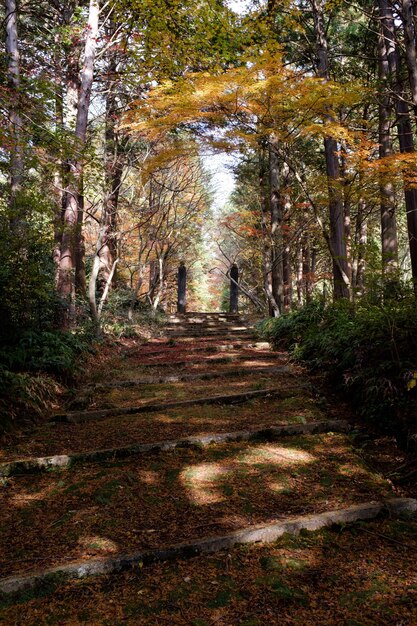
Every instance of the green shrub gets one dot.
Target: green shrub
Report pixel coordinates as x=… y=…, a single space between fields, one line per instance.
x=369 y=351
x=55 y=352
x=24 y=397
x=31 y=370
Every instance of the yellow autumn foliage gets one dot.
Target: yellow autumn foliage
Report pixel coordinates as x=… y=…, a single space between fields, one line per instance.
x=260 y=97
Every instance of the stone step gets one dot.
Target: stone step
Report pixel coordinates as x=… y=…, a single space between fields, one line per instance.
x=205 y=324
x=175 y=378
x=209 y=360
x=78 y=417
x=210 y=346
x=248 y=334
x=265 y=533
x=34 y=465
x=206 y=319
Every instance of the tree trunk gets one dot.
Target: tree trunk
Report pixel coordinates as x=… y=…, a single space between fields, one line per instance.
x=287 y=243
x=114 y=168
x=306 y=262
x=336 y=209
x=405 y=132
x=16 y=148
x=361 y=236
x=347 y=212
x=405 y=135
x=59 y=172
x=407 y=14
x=300 y=273
x=276 y=226
x=386 y=51
x=266 y=239
x=73 y=209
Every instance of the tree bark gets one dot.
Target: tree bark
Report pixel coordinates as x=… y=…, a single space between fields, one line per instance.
x=336 y=209
x=266 y=238
x=300 y=273
x=408 y=9
x=276 y=226
x=361 y=237
x=16 y=149
x=73 y=209
x=347 y=213
x=287 y=242
x=386 y=53
x=405 y=132
x=114 y=168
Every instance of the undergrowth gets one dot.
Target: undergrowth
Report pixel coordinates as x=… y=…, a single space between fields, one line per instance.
x=39 y=363
x=368 y=351
x=33 y=369
x=122 y=318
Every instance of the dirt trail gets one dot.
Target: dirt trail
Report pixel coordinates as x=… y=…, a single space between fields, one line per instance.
x=97 y=510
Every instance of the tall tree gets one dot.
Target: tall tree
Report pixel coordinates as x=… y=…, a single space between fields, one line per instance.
x=16 y=146
x=386 y=65
x=276 y=205
x=394 y=80
x=73 y=209
x=341 y=286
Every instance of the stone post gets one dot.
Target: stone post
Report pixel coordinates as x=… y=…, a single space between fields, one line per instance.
x=234 y=291
x=182 y=287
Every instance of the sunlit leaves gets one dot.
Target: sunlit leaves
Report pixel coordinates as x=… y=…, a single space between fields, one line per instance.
x=259 y=97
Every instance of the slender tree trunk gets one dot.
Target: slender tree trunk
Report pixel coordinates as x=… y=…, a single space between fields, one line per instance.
x=313 y=265
x=287 y=243
x=306 y=266
x=16 y=149
x=347 y=212
x=408 y=9
x=336 y=209
x=386 y=50
x=114 y=167
x=266 y=239
x=405 y=132
x=276 y=226
x=361 y=236
x=59 y=172
x=73 y=209
x=80 y=280
x=361 y=225
x=92 y=284
x=300 y=274
x=405 y=135
x=96 y=310
x=161 y=281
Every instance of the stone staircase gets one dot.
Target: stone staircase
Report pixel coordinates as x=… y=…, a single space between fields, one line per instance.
x=188 y=445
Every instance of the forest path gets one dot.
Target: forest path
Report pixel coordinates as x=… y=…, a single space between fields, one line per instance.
x=196 y=443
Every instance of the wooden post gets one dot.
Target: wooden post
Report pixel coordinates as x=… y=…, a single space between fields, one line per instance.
x=234 y=291
x=182 y=287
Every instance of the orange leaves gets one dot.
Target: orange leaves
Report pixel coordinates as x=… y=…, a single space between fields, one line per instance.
x=260 y=97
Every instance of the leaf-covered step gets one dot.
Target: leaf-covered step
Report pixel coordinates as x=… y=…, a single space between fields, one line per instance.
x=267 y=533
x=356 y=573
x=192 y=359
x=106 y=508
x=175 y=423
x=233 y=398
x=180 y=377
x=34 y=465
